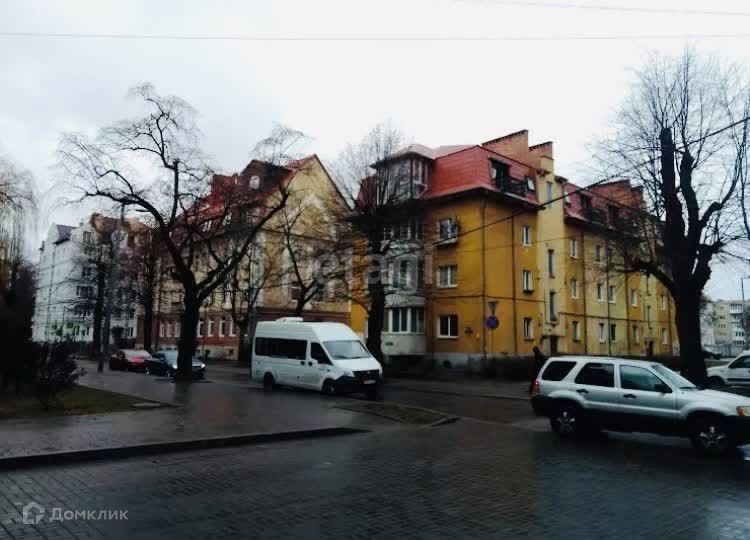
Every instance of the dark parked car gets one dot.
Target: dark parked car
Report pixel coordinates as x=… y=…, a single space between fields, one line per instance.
x=165 y=363
x=129 y=359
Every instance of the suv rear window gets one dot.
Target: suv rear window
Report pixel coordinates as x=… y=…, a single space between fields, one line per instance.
x=596 y=374
x=557 y=370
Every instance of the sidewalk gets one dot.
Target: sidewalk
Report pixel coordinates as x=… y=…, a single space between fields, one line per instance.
x=201 y=410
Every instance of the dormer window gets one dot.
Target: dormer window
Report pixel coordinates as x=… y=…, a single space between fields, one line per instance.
x=254 y=182
x=500 y=173
x=585 y=203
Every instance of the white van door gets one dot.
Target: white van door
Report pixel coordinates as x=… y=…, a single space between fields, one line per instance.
x=321 y=365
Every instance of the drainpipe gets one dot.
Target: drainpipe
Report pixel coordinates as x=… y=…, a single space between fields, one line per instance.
x=606 y=297
x=513 y=282
x=484 y=288
x=585 y=289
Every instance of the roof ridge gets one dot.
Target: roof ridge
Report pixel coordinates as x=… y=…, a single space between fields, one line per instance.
x=508 y=136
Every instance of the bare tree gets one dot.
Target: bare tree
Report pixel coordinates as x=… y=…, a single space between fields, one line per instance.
x=17 y=203
x=683 y=136
x=317 y=254
x=205 y=223
x=246 y=282
x=379 y=189
x=141 y=267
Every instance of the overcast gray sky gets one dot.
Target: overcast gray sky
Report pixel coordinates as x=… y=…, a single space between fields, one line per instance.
x=443 y=71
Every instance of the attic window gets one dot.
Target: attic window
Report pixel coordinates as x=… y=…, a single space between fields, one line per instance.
x=500 y=173
x=530 y=184
x=254 y=182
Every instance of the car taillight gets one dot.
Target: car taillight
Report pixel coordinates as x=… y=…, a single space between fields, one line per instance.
x=536 y=388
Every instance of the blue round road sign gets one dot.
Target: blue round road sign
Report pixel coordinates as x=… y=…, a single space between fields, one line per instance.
x=492 y=322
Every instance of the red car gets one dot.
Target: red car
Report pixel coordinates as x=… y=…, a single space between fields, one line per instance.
x=129 y=359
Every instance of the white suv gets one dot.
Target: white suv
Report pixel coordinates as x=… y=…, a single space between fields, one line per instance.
x=581 y=394
x=735 y=373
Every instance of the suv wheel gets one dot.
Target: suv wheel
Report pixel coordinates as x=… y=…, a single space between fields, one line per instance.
x=710 y=436
x=566 y=420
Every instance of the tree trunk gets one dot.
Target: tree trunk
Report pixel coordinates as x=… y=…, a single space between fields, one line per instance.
x=375 y=320
x=148 y=320
x=187 y=343
x=96 y=339
x=300 y=306
x=687 y=319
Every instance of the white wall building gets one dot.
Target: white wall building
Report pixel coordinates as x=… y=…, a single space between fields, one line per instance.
x=62 y=283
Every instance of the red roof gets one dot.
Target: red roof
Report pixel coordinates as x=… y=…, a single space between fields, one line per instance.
x=470 y=168
x=616 y=193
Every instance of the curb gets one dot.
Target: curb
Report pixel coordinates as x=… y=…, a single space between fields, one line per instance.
x=147 y=449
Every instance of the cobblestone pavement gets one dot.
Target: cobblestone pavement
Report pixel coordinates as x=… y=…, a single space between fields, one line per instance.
x=201 y=409
x=461 y=480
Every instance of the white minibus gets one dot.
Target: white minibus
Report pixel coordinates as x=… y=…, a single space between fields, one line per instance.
x=325 y=356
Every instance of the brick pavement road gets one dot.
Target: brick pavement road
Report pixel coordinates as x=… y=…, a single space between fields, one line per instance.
x=461 y=480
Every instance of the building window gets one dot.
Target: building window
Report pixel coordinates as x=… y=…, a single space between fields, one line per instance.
x=231 y=327
x=598 y=253
x=611 y=294
x=664 y=337
x=610 y=256
x=210 y=331
x=177 y=329
x=550 y=193
x=200 y=327
x=500 y=173
x=526 y=281
x=551 y=262
x=401 y=278
x=525 y=235
x=448 y=326
x=169 y=328
x=600 y=291
x=448 y=276
x=566 y=196
x=576 y=331
x=552 y=306
x=573 y=248
x=648 y=315
x=636 y=334
x=404 y=320
x=161 y=329
x=448 y=230
x=602 y=332
x=663 y=302
x=573 y=288
x=530 y=185
x=528 y=328
x=222 y=325
x=633 y=297
x=612 y=332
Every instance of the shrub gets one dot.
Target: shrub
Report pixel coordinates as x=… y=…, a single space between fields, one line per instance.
x=55 y=372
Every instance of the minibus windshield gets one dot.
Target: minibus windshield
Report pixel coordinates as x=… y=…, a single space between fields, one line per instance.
x=346 y=349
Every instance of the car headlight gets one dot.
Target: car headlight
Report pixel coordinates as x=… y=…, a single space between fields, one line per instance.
x=174 y=366
x=203 y=366
x=744 y=411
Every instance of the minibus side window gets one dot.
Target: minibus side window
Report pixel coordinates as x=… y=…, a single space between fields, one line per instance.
x=284 y=348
